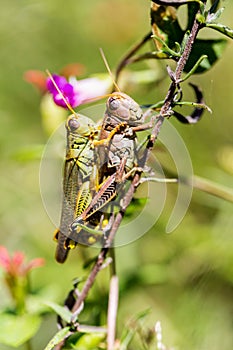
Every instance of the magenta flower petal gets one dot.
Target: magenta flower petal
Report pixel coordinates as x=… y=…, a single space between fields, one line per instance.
x=76 y=91
x=66 y=89
x=59 y=80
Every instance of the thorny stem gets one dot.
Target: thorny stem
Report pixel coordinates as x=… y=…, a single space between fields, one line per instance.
x=129 y=195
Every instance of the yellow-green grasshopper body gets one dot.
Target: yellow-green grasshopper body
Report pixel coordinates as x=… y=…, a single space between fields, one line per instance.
x=81 y=131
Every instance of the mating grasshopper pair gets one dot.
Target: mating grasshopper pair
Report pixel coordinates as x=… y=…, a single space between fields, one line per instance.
x=109 y=155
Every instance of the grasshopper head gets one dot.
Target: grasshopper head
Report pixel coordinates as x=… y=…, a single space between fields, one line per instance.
x=124 y=109
x=79 y=125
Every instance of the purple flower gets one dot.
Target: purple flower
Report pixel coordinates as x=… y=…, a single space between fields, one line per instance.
x=76 y=91
x=67 y=90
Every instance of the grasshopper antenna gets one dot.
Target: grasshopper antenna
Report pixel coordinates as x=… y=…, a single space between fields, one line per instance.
x=109 y=70
x=59 y=91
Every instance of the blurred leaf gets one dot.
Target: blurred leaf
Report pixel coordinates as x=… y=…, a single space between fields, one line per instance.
x=221 y=28
x=16 y=330
x=58 y=337
x=36 y=302
x=135 y=206
x=63 y=312
x=89 y=341
x=130 y=330
x=213 y=48
x=52 y=115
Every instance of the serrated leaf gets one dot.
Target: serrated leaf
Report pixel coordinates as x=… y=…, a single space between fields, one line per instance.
x=213 y=48
x=58 y=337
x=16 y=330
x=63 y=312
x=221 y=28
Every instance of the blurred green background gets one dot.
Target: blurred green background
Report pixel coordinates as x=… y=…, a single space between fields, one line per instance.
x=186 y=277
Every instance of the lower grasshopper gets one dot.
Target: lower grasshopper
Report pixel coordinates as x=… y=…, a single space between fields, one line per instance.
x=81 y=132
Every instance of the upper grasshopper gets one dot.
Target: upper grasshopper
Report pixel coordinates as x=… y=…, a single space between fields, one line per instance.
x=117 y=159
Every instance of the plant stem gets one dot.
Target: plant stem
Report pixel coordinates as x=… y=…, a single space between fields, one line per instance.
x=135 y=181
x=112 y=312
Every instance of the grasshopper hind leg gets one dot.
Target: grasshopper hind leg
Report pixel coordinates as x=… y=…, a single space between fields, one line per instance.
x=63 y=246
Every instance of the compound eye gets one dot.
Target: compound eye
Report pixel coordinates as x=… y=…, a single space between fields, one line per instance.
x=73 y=124
x=113 y=103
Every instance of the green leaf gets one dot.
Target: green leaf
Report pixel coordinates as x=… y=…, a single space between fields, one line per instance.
x=213 y=48
x=16 y=330
x=63 y=312
x=221 y=28
x=58 y=337
x=135 y=206
x=89 y=341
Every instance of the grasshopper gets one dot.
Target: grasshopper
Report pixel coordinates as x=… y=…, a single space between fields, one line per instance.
x=76 y=179
x=79 y=179
x=77 y=183
x=117 y=157
x=116 y=160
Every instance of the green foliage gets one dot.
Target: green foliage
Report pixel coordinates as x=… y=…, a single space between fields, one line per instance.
x=171 y=35
x=18 y=329
x=89 y=341
x=213 y=50
x=58 y=337
x=63 y=312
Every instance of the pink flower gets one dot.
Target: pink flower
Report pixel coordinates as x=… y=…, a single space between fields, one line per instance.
x=76 y=92
x=16 y=266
